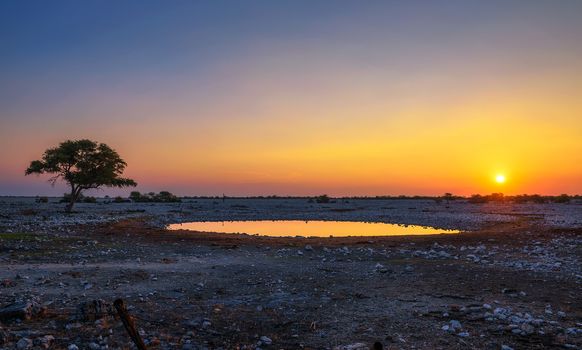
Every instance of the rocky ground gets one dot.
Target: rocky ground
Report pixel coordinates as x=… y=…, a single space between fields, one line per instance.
x=512 y=281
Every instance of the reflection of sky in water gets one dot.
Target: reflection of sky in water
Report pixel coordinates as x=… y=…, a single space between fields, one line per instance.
x=280 y=228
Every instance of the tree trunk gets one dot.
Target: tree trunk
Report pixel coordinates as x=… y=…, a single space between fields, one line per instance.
x=69 y=206
x=74 y=195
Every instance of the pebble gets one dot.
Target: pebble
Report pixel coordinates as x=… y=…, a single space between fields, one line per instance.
x=23 y=344
x=47 y=341
x=356 y=346
x=380 y=268
x=266 y=340
x=72 y=347
x=455 y=324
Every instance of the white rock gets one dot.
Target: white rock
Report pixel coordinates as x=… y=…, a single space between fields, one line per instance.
x=356 y=346
x=24 y=343
x=266 y=340
x=455 y=325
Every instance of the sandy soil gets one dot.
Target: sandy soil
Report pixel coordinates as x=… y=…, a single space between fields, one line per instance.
x=513 y=281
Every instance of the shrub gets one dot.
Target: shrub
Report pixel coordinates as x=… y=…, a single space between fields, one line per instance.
x=120 y=199
x=478 y=199
x=163 y=197
x=67 y=198
x=41 y=199
x=89 y=200
x=563 y=198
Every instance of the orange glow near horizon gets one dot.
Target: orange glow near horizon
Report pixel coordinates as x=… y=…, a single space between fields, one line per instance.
x=374 y=156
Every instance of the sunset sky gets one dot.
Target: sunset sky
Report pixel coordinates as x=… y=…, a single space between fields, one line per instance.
x=299 y=97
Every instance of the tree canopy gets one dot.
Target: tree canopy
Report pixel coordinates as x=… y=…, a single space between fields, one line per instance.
x=83 y=164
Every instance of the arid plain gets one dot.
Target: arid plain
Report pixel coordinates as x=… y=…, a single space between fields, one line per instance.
x=511 y=278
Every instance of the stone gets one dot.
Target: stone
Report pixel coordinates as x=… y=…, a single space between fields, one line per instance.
x=455 y=325
x=380 y=268
x=356 y=346
x=527 y=328
x=23 y=344
x=72 y=347
x=94 y=346
x=506 y=347
x=266 y=340
x=22 y=311
x=47 y=341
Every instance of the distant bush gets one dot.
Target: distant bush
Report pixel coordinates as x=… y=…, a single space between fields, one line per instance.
x=89 y=200
x=324 y=198
x=165 y=196
x=529 y=198
x=521 y=199
x=120 y=199
x=67 y=198
x=478 y=199
x=563 y=198
x=41 y=199
x=135 y=196
x=162 y=197
x=496 y=197
x=448 y=197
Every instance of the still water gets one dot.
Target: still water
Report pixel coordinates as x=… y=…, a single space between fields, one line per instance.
x=285 y=228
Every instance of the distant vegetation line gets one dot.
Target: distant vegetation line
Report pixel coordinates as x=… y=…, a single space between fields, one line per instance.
x=168 y=197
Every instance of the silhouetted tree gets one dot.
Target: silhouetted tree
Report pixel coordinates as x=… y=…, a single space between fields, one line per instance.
x=448 y=197
x=478 y=199
x=83 y=164
x=563 y=198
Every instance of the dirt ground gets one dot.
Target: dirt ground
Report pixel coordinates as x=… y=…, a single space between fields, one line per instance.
x=507 y=285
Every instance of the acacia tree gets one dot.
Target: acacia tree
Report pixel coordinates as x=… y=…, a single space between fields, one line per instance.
x=83 y=165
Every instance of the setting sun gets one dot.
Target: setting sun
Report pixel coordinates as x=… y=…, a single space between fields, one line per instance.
x=500 y=178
